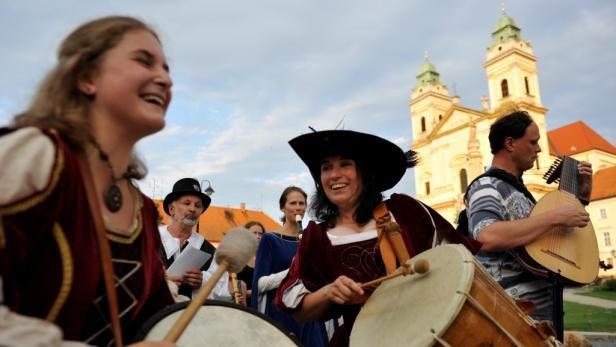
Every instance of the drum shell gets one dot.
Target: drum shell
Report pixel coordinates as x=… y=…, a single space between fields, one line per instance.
x=442 y=305
x=472 y=328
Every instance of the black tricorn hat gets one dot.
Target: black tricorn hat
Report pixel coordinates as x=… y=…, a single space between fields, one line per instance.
x=385 y=159
x=186 y=186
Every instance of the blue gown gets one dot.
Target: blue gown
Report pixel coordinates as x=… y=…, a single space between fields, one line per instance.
x=274 y=254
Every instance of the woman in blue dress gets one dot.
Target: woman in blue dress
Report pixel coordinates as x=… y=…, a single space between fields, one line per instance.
x=274 y=255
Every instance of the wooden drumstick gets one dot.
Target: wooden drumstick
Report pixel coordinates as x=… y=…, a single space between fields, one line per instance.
x=236 y=288
x=419 y=266
x=237 y=247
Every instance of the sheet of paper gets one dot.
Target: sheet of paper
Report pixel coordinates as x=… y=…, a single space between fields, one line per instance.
x=190 y=257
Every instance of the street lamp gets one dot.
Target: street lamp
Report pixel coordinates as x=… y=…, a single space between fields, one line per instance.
x=209 y=190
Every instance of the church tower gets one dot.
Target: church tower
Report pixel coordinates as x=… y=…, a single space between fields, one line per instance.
x=452 y=139
x=513 y=83
x=429 y=100
x=429 y=104
x=510 y=66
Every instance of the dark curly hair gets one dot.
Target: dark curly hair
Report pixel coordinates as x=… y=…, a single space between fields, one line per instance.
x=512 y=125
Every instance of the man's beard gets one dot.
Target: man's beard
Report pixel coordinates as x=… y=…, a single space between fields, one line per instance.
x=190 y=220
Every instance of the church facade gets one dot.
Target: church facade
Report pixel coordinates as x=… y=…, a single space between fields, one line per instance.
x=452 y=139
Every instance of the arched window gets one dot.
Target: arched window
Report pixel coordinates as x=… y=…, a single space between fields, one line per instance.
x=505 y=88
x=440 y=116
x=423 y=124
x=427 y=188
x=463 y=180
x=526 y=85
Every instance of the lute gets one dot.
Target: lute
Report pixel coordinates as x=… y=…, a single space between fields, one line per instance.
x=570 y=252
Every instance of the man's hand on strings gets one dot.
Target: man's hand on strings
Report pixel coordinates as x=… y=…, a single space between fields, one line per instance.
x=584 y=180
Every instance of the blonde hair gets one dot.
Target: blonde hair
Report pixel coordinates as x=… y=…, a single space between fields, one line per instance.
x=59 y=103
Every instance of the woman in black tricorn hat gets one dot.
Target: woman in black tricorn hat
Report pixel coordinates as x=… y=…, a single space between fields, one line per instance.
x=351 y=170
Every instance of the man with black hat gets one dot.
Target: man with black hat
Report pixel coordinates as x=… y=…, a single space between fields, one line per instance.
x=184 y=205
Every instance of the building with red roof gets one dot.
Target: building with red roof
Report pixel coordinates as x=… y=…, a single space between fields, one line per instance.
x=452 y=139
x=217 y=220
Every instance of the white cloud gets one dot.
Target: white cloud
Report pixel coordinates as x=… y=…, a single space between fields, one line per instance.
x=249 y=76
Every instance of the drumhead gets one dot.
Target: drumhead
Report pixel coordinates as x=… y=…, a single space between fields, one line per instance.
x=408 y=310
x=218 y=323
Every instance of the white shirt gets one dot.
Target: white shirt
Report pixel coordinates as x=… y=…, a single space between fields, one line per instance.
x=171 y=245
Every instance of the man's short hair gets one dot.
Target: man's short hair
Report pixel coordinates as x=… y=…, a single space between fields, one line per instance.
x=512 y=125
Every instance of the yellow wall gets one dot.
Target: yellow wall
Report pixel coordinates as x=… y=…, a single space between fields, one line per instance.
x=605 y=223
x=447 y=145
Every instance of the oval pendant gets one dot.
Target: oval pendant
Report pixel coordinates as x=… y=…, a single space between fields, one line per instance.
x=113 y=198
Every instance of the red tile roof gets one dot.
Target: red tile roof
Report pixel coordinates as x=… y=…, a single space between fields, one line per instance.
x=575 y=138
x=217 y=220
x=604 y=184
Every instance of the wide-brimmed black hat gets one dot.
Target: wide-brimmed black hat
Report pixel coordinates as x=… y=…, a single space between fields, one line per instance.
x=385 y=159
x=186 y=186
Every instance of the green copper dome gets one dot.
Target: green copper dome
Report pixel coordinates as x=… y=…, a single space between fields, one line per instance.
x=427 y=74
x=505 y=30
x=427 y=66
x=505 y=21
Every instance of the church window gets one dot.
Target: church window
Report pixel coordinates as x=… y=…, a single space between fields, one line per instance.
x=603 y=213
x=427 y=188
x=606 y=238
x=505 y=88
x=423 y=124
x=526 y=84
x=463 y=180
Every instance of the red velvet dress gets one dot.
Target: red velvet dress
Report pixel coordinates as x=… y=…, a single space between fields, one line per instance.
x=50 y=263
x=319 y=263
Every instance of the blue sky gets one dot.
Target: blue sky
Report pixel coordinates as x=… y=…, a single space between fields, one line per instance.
x=250 y=75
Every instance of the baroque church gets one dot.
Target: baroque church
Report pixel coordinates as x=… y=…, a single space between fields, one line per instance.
x=452 y=139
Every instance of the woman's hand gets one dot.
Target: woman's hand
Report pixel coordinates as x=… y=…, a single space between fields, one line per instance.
x=344 y=291
x=241 y=297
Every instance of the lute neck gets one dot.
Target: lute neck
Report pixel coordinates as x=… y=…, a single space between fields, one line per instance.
x=569 y=176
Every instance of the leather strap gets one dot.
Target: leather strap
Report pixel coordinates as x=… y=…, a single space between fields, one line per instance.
x=391 y=243
x=105 y=252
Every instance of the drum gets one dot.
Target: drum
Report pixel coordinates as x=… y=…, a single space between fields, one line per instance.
x=218 y=323
x=456 y=303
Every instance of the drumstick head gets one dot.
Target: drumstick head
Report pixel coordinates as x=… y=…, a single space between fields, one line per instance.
x=237 y=247
x=421 y=266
